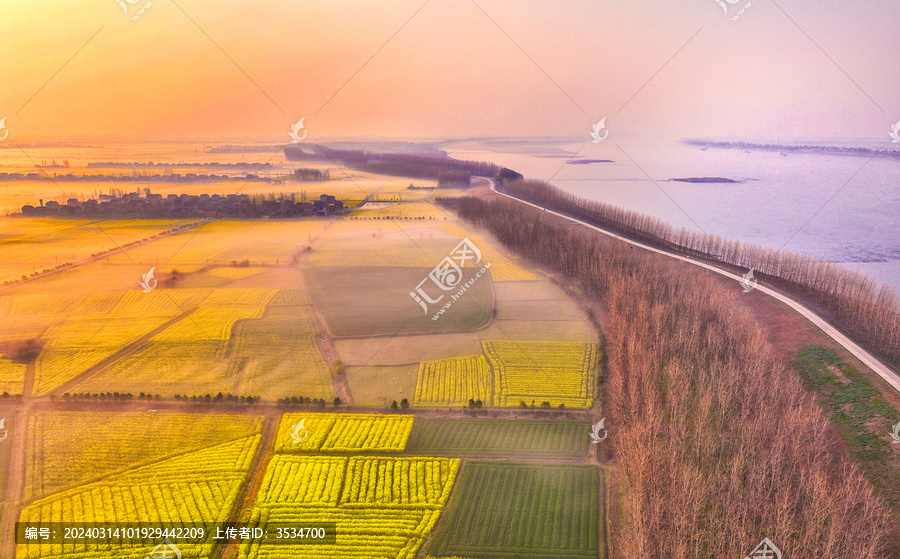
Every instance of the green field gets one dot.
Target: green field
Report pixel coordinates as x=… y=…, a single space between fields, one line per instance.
x=863 y=416
x=499 y=437
x=501 y=510
x=375 y=301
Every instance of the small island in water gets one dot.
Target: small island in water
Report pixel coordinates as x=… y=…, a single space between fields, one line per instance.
x=704 y=179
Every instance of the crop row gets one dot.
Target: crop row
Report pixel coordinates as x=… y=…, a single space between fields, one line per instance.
x=387 y=505
x=453 y=382
x=399 y=481
x=498 y=437
x=303 y=480
x=555 y=372
x=196 y=487
x=326 y=432
x=114 y=442
x=524 y=511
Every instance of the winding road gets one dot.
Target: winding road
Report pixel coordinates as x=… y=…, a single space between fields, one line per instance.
x=867 y=359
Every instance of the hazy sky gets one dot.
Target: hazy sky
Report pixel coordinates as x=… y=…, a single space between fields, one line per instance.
x=228 y=70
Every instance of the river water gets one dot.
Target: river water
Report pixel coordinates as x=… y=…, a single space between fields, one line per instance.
x=836 y=207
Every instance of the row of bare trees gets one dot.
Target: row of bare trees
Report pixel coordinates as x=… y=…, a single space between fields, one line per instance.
x=853 y=301
x=717 y=442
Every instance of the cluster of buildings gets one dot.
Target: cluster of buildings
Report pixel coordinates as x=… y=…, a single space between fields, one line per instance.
x=133 y=205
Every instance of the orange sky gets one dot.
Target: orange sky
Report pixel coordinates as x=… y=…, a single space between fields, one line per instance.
x=450 y=71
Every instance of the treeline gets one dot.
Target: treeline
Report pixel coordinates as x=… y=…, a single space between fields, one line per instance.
x=452 y=171
x=855 y=302
x=309 y=174
x=717 y=443
x=128 y=396
x=304 y=401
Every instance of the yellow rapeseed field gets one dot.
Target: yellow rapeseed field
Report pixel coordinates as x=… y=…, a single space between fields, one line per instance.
x=344 y=432
x=199 y=486
x=555 y=372
x=383 y=507
x=453 y=382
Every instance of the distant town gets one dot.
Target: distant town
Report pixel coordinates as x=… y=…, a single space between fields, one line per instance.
x=133 y=205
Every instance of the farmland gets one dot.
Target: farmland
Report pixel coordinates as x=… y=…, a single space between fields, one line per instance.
x=386 y=508
x=38 y=244
x=528 y=512
x=270 y=308
x=197 y=486
x=115 y=442
x=402 y=210
x=558 y=372
x=345 y=297
x=453 y=382
x=328 y=432
x=221 y=344
x=500 y=438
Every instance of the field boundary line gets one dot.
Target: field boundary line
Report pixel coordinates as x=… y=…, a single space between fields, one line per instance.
x=253 y=479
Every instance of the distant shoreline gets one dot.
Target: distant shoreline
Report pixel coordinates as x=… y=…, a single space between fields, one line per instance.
x=828 y=150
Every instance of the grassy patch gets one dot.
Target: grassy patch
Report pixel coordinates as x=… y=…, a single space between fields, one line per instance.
x=519 y=438
x=361 y=301
x=523 y=511
x=862 y=415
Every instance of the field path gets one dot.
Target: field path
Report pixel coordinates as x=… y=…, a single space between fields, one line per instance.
x=256 y=474
x=15 y=482
x=329 y=352
x=865 y=357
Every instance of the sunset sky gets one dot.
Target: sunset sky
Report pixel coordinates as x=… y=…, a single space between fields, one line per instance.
x=228 y=70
